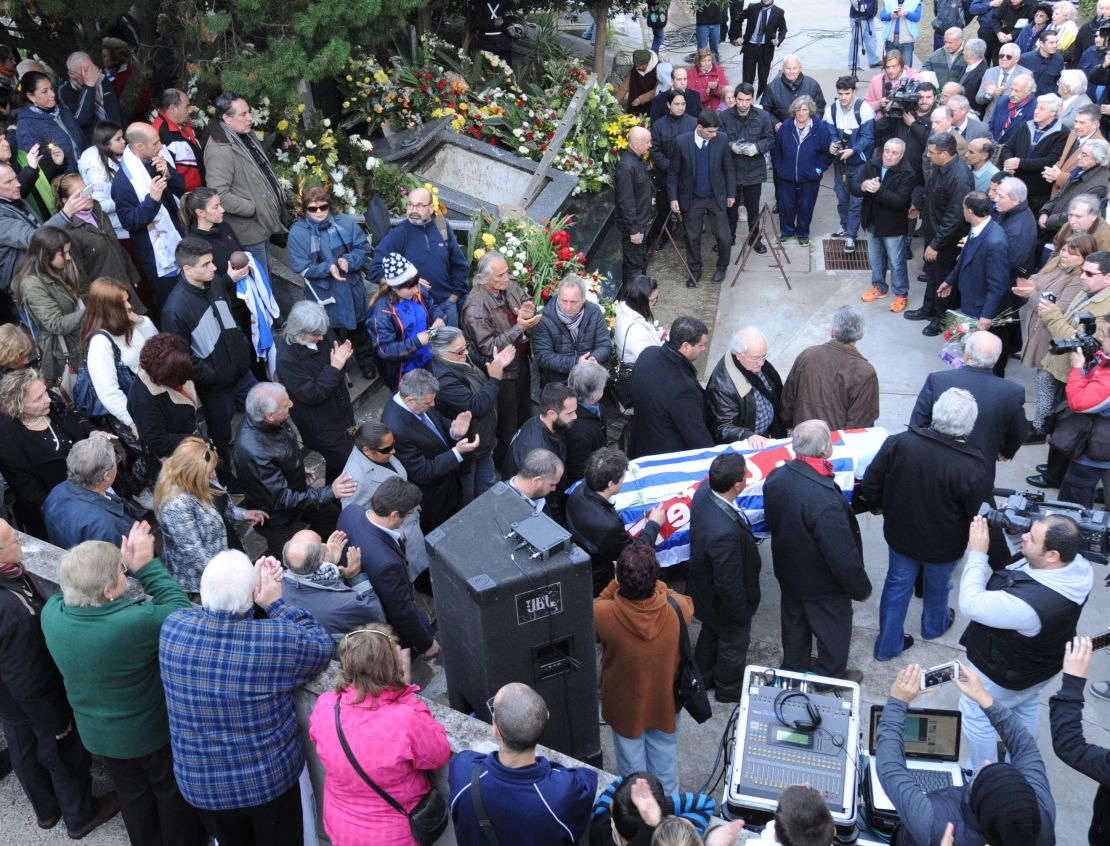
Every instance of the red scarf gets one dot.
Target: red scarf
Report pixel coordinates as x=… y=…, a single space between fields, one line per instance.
x=1014 y=108
x=821 y=466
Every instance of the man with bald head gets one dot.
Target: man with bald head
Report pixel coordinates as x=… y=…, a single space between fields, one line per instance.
x=144 y=190
x=433 y=248
x=978 y=157
x=633 y=201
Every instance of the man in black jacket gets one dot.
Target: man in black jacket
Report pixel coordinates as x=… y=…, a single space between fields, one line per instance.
x=271 y=469
x=669 y=402
x=744 y=393
x=660 y=106
x=723 y=579
x=701 y=182
x=929 y=482
x=751 y=133
x=1035 y=146
x=676 y=121
x=787 y=87
x=886 y=184
x=818 y=556
x=912 y=128
x=558 y=409
x=633 y=201
x=594 y=523
x=764 y=31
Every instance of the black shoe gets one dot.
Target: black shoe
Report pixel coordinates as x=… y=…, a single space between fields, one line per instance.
x=1041 y=468
x=367 y=373
x=716 y=248
x=907 y=642
x=909 y=253
x=1036 y=436
x=48 y=824
x=108 y=807
x=1041 y=481
x=839 y=233
x=760 y=248
x=918 y=314
x=691 y=283
x=947 y=625
x=725 y=697
x=718 y=277
x=931 y=330
x=1100 y=496
x=921 y=277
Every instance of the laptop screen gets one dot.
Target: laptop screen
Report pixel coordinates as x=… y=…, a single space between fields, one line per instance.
x=929 y=733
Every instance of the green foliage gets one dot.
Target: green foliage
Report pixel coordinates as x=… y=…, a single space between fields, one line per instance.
x=1086 y=9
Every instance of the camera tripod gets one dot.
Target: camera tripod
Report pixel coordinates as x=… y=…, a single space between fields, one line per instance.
x=666 y=230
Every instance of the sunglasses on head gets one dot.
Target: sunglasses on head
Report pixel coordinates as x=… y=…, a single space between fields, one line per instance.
x=319 y=207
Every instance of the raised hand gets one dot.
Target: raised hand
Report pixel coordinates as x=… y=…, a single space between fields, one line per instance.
x=334 y=548
x=137 y=549
x=461 y=425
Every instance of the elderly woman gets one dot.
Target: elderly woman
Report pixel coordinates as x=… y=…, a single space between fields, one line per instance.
x=744 y=393
x=373 y=460
x=17 y=348
x=162 y=401
x=310 y=364
x=119 y=706
x=390 y=733
x=47 y=123
x=1064 y=14
x=588 y=432
x=1026 y=40
x=47 y=287
x=571 y=329
x=194 y=512
x=800 y=156
x=330 y=251
x=400 y=320
x=84 y=507
x=1062 y=277
x=709 y=79
x=639 y=664
x=464 y=387
x=37 y=431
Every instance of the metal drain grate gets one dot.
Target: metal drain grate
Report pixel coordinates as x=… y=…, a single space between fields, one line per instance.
x=837 y=259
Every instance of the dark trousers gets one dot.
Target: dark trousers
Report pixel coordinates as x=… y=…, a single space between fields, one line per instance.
x=721 y=654
x=732 y=20
x=55 y=774
x=219 y=407
x=796 y=203
x=633 y=257
x=749 y=195
x=321 y=520
x=827 y=620
x=693 y=218
x=757 y=61
x=160 y=287
x=1058 y=461
x=363 y=346
x=1080 y=482
x=514 y=407
x=334 y=448
x=935 y=274
x=153 y=809
x=274 y=823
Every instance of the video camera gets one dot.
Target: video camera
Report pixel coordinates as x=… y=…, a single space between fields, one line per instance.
x=901 y=98
x=1084 y=340
x=1023 y=508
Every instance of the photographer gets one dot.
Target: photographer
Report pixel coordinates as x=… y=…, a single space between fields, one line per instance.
x=852 y=124
x=1088 y=392
x=895 y=75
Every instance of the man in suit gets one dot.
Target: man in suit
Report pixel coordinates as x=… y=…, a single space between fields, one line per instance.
x=886 y=184
x=1019 y=228
x=429 y=446
x=765 y=30
x=1086 y=129
x=1089 y=177
x=723 y=579
x=1017 y=109
x=995 y=87
x=963 y=121
x=375 y=532
x=680 y=77
x=669 y=401
x=676 y=121
x=818 y=556
x=1000 y=427
x=701 y=183
x=1072 y=89
x=594 y=523
x=1033 y=147
x=975 y=51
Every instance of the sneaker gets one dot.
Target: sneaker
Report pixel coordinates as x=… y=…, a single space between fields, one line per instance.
x=839 y=233
x=899 y=304
x=849 y=245
x=803 y=242
x=873 y=294
x=787 y=239
x=1100 y=690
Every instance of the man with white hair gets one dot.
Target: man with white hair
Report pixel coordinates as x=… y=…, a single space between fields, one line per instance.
x=84 y=506
x=1000 y=427
x=948 y=62
x=744 y=393
x=929 y=482
x=949 y=90
x=1019 y=228
x=88 y=93
x=1033 y=147
x=833 y=381
x=1013 y=111
x=975 y=51
x=963 y=121
x=1088 y=177
x=229 y=681
x=571 y=330
x=995 y=88
x=1072 y=89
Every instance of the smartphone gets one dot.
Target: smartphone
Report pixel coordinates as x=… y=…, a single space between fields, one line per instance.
x=87 y=191
x=940 y=674
x=1100 y=641
x=1049 y=296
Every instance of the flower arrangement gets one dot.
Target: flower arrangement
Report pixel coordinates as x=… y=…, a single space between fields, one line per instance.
x=956 y=326
x=538 y=256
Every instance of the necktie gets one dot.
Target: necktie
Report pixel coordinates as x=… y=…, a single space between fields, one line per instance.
x=428 y=422
x=760 y=23
x=1005 y=77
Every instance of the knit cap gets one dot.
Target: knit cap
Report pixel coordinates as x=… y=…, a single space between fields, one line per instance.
x=397 y=270
x=641 y=57
x=1005 y=805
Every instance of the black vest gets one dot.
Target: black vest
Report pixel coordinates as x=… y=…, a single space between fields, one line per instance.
x=1012 y=660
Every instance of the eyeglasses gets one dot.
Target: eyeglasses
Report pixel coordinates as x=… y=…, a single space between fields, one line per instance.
x=385 y=450
x=461 y=351
x=489 y=704
x=418 y=205
x=318 y=208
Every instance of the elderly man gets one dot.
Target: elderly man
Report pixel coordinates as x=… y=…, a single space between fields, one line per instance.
x=88 y=93
x=744 y=393
x=1072 y=89
x=979 y=157
x=751 y=134
x=1086 y=130
x=765 y=30
x=118 y=702
x=949 y=90
x=47 y=756
x=19 y=221
x=1019 y=228
x=975 y=51
x=1045 y=63
x=144 y=190
x=270 y=467
x=948 y=62
x=929 y=482
x=429 y=446
x=1084 y=216
x=886 y=184
x=995 y=89
x=571 y=330
x=229 y=681
x=176 y=131
x=1034 y=147
x=963 y=121
x=433 y=250
x=1087 y=178
x=632 y=194
x=638 y=89
x=834 y=382
x=339 y=595
x=940 y=122
x=661 y=105
x=788 y=87
x=84 y=507
x=818 y=556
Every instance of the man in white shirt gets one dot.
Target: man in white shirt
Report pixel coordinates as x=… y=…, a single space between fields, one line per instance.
x=853 y=124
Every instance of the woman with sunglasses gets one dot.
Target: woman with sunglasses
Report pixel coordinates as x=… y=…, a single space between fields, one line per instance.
x=373 y=459
x=330 y=251
x=400 y=320
x=390 y=733
x=193 y=512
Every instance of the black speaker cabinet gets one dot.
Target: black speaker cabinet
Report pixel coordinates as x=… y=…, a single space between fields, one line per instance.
x=514 y=600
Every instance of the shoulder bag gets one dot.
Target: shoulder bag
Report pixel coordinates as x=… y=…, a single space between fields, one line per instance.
x=622 y=384
x=427 y=821
x=689 y=689
x=479 y=806
x=84 y=393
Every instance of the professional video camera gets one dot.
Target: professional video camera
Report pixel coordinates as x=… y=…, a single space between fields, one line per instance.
x=1022 y=508
x=1084 y=340
x=903 y=97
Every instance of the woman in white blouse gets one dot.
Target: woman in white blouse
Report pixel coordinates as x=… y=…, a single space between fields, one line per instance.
x=98 y=165
x=636 y=329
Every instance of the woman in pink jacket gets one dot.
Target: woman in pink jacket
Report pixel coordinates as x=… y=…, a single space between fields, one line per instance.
x=391 y=732
x=708 y=79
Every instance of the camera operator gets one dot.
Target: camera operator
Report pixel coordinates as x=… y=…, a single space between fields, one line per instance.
x=1088 y=392
x=1065 y=716
x=1095 y=299
x=1021 y=617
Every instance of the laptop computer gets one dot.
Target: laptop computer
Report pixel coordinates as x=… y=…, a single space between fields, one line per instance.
x=932 y=740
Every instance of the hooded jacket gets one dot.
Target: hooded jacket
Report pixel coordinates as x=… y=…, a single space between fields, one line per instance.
x=339 y=607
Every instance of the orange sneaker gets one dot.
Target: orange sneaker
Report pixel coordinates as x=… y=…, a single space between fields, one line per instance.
x=872 y=295
x=899 y=304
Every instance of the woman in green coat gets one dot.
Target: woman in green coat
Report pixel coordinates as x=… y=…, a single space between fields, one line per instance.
x=46 y=288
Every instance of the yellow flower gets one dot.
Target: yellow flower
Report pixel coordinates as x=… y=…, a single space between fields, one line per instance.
x=346 y=104
x=380 y=77
x=350 y=78
x=488 y=239
x=310 y=159
x=478 y=253
x=621 y=142
x=300 y=108
x=282 y=125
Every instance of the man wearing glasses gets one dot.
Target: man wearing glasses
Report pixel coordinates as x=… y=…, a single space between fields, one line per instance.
x=997 y=80
x=432 y=247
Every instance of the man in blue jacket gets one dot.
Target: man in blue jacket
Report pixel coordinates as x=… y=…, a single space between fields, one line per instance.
x=437 y=256
x=84 y=507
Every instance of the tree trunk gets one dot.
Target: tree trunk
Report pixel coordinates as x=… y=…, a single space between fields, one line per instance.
x=601 y=29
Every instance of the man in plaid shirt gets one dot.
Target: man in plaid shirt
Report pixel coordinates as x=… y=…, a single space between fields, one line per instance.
x=229 y=683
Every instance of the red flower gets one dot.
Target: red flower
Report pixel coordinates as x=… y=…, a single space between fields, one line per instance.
x=545 y=294
x=441 y=84
x=424 y=88
x=565 y=253
x=427 y=76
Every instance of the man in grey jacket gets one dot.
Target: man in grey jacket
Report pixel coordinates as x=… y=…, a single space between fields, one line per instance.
x=340 y=597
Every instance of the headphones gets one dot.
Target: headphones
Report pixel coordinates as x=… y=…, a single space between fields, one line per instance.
x=814 y=715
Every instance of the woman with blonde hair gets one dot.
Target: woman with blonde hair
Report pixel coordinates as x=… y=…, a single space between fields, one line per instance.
x=47 y=288
x=193 y=511
x=708 y=78
x=17 y=348
x=391 y=734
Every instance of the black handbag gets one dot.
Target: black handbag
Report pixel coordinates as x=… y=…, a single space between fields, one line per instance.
x=622 y=384
x=427 y=821
x=689 y=689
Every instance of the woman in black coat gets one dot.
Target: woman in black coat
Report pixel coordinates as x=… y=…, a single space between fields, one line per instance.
x=587 y=433
x=163 y=401
x=310 y=365
x=743 y=397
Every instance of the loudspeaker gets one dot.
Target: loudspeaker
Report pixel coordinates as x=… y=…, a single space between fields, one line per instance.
x=514 y=600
